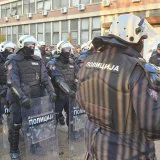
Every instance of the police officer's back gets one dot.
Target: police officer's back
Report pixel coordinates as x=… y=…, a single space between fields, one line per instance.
x=155 y=57
x=27 y=78
x=123 y=116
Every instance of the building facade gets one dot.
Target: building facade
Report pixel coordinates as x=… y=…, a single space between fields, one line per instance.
x=74 y=20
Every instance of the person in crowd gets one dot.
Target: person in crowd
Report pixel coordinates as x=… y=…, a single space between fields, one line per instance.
x=155 y=57
x=123 y=109
x=87 y=49
x=46 y=55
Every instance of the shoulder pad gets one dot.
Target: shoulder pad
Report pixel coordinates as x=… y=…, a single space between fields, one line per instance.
x=18 y=57
x=36 y=57
x=150 y=68
x=10 y=56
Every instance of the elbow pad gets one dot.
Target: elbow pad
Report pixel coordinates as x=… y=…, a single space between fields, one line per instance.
x=63 y=85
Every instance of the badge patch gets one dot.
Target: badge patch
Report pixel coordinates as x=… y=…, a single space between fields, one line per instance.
x=71 y=66
x=9 y=67
x=35 y=64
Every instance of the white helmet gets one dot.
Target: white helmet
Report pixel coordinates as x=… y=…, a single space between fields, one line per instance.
x=2 y=49
x=87 y=46
x=63 y=44
x=41 y=43
x=26 y=39
x=129 y=28
x=5 y=45
x=9 y=44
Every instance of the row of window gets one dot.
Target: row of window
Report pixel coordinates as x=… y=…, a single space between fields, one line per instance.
x=35 y=6
x=76 y=30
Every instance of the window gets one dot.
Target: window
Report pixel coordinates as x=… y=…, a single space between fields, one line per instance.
x=155 y=12
x=4 y=34
x=140 y=14
x=20 y=31
x=5 y=10
x=96 y=27
x=19 y=7
x=74 y=31
x=26 y=29
x=29 y=6
x=43 y=5
x=55 y=32
x=8 y=33
x=84 y=1
x=47 y=5
x=64 y=30
x=16 y=8
x=40 y=32
x=64 y=3
x=96 y=1
x=33 y=30
x=84 y=30
x=74 y=3
x=14 y=34
x=2 y=37
x=48 y=33
x=56 y=4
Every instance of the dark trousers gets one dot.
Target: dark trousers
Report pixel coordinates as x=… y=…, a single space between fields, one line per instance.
x=14 y=124
x=61 y=104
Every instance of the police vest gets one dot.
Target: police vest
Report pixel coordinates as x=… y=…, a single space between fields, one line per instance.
x=46 y=57
x=67 y=71
x=3 y=74
x=30 y=76
x=104 y=91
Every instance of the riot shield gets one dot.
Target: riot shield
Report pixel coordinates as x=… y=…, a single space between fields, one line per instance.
x=150 y=44
x=39 y=131
x=4 y=144
x=77 y=120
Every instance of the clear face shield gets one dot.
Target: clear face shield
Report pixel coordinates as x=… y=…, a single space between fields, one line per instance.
x=150 y=44
x=10 y=50
x=30 y=45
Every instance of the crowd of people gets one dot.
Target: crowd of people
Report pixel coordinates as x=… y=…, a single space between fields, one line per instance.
x=108 y=78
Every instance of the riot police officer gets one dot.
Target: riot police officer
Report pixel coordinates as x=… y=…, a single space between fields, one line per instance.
x=123 y=116
x=155 y=57
x=46 y=55
x=6 y=48
x=87 y=49
x=27 y=78
x=63 y=79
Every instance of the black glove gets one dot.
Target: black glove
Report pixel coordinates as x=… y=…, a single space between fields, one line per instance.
x=25 y=102
x=72 y=93
x=52 y=97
